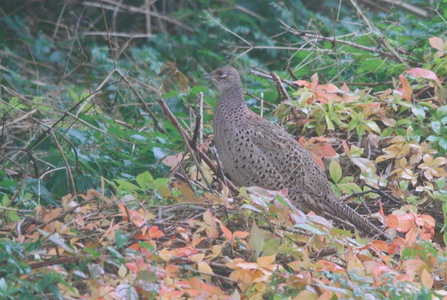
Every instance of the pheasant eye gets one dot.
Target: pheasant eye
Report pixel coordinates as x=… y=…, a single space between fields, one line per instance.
x=221 y=74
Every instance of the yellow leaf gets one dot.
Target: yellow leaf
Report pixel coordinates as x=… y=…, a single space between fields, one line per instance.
x=216 y=250
x=243 y=277
x=204 y=267
x=122 y=271
x=197 y=257
x=427 y=279
x=209 y=218
x=266 y=261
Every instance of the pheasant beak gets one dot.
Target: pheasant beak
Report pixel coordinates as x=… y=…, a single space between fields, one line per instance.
x=208 y=76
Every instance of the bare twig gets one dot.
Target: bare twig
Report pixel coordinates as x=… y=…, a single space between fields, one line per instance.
x=188 y=141
x=288 y=82
x=279 y=86
x=133 y=9
x=148 y=110
x=394 y=55
x=67 y=165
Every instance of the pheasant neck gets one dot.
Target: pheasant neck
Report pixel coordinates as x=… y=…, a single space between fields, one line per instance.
x=231 y=102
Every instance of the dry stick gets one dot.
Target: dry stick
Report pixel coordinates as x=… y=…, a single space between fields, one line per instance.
x=279 y=86
x=201 y=119
x=291 y=73
x=382 y=194
x=148 y=16
x=196 y=133
x=57 y=261
x=382 y=38
x=260 y=70
x=202 y=155
x=409 y=7
x=261 y=100
x=288 y=82
x=187 y=141
x=67 y=165
x=294 y=85
x=134 y=9
x=24 y=116
x=148 y=110
x=370 y=83
x=262 y=104
x=394 y=55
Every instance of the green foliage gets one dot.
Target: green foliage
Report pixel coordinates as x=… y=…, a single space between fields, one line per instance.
x=17 y=281
x=79 y=107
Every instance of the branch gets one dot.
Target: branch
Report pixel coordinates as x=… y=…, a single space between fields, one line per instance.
x=393 y=55
x=188 y=143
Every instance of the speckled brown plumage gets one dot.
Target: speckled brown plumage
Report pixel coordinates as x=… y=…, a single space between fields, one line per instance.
x=256 y=152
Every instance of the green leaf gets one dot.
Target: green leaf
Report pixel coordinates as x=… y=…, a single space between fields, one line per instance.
x=144 y=179
x=360 y=131
x=372 y=125
x=115 y=253
x=13 y=216
x=436 y=126
x=121 y=239
x=335 y=171
x=256 y=241
x=159 y=182
x=440 y=183
x=419 y=112
x=441 y=112
x=403 y=122
x=349 y=188
x=147 y=246
x=330 y=125
x=433 y=138
x=73 y=95
x=126 y=186
x=352 y=124
x=443 y=143
x=309 y=228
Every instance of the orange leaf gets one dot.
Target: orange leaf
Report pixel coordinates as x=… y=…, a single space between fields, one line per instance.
x=401 y=223
x=405 y=88
x=326 y=265
x=134 y=246
x=422 y=73
x=197 y=241
x=51 y=215
x=240 y=234
x=303 y=83
x=428 y=226
x=410 y=236
x=154 y=233
x=396 y=245
x=123 y=211
x=381 y=245
x=226 y=231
